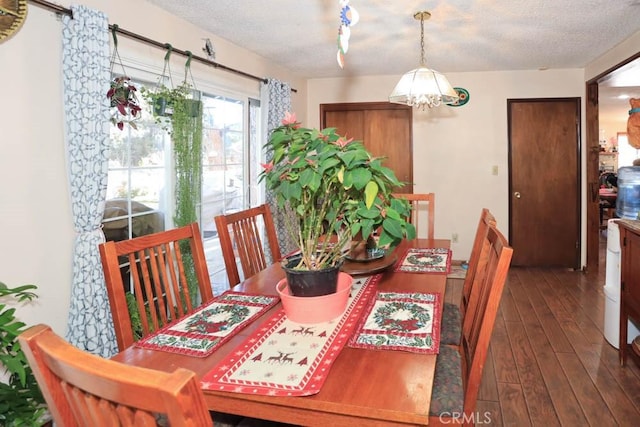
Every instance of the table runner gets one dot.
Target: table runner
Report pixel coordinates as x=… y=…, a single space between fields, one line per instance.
x=408 y=321
x=425 y=260
x=206 y=329
x=284 y=358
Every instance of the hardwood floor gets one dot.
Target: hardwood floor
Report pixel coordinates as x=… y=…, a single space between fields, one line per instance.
x=549 y=363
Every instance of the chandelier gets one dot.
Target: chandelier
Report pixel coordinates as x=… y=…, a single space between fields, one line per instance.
x=423 y=87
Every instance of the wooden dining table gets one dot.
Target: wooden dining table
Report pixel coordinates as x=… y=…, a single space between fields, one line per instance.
x=364 y=387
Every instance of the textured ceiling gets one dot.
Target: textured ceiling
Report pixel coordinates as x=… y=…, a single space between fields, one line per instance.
x=462 y=35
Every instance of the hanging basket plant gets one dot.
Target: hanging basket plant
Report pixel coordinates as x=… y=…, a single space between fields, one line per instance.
x=178 y=109
x=165 y=99
x=123 y=98
x=186 y=134
x=122 y=93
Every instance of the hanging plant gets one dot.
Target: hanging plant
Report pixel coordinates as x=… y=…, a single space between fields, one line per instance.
x=122 y=94
x=165 y=98
x=178 y=110
x=186 y=134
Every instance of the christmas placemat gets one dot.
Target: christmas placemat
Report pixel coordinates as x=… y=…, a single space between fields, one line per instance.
x=408 y=321
x=203 y=331
x=284 y=358
x=425 y=260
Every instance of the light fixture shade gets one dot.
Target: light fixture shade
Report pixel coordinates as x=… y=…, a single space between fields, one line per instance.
x=423 y=87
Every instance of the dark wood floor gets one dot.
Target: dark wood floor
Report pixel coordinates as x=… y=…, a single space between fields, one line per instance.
x=548 y=363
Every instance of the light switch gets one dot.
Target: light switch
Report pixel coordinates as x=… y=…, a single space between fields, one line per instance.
x=494 y=170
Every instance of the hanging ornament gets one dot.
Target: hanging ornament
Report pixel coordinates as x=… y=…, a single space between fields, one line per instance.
x=348 y=18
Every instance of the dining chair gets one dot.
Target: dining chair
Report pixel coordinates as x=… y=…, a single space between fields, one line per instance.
x=459 y=368
x=419 y=203
x=241 y=236
x=452 y=314
x=162 y=268
x=82 y=389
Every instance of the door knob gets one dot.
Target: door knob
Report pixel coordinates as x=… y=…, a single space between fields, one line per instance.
x=517 y=194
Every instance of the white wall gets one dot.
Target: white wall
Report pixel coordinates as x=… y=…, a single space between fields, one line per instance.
x=36 y=232
x=455 y=148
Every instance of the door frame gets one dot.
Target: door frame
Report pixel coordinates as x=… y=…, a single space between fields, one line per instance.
x=578 y=172
x=592 y=167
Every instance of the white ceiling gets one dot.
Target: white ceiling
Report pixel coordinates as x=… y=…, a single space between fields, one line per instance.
x=462 y=35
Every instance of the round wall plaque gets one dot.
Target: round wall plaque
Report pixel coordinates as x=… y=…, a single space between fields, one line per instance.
x=12 y=16
x=463 y=97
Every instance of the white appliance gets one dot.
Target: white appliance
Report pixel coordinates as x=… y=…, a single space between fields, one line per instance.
x=612 y=289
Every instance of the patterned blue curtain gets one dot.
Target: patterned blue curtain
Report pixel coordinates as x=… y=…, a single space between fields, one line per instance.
x=85 y=63
x=278 y=95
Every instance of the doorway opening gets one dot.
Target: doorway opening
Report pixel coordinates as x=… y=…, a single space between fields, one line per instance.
x=607 y=108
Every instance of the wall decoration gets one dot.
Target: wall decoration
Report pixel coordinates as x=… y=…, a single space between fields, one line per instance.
x=12 y=16
x=463 y=97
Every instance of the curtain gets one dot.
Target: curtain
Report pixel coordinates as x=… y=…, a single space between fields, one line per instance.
x=278 y=100
x=85 y=63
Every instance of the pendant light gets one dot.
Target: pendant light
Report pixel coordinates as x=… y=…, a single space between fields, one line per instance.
x=423 y=87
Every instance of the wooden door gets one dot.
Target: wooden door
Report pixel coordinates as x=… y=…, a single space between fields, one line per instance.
x=544 y=182
x=384 y=128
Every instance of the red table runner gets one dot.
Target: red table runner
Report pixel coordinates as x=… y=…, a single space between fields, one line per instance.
x=408 y=321
x=206 y=329
x=425 y=260
x=284 y=358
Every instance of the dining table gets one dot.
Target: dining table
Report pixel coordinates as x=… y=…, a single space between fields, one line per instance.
x=363 y=387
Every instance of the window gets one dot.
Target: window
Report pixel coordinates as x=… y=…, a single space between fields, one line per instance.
x=140 y=183
x=223 y=160
x=139 y=159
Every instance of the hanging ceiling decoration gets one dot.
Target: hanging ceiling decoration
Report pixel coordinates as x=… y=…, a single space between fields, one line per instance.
x=348 y=18
x=423 y=87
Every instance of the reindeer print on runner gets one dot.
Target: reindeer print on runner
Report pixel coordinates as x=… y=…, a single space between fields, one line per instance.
x=284 y=358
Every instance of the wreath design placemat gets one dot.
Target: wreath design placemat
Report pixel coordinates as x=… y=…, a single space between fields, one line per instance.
x=203 y=331
x=285 y=358
x=408 y=321
x=425 y=260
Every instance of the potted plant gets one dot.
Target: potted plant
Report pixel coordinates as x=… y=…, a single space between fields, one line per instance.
x=334 y=190
x=21 y=402
x=163 y=99
x=123 y=99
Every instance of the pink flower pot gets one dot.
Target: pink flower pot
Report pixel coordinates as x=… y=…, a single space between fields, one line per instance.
x=315 y=309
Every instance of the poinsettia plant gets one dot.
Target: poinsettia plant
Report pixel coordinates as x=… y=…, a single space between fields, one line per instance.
x=123 y=98
x=335 y=190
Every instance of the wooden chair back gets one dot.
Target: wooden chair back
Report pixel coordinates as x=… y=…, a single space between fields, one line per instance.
x=482 y=309
x=159 y=266
x=459 y=368
x=82 y=389
x=419 y=203
x=486 y=220
x=240 y=236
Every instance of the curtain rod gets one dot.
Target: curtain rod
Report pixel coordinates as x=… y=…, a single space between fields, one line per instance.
x=62 y=10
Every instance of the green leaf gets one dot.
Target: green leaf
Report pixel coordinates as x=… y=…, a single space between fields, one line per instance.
x=370 y=192
x=311 y=179
x=393 y=227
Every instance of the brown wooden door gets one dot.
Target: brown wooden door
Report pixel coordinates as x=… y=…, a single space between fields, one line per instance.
x=384 y=128
x=544 y=182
